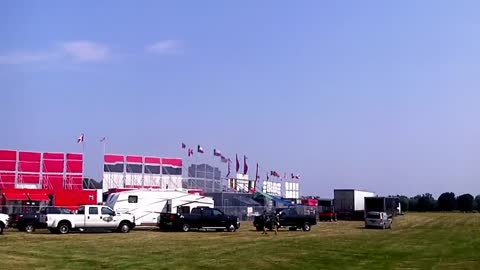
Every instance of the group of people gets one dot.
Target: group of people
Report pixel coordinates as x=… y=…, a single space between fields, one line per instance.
x=270 y=221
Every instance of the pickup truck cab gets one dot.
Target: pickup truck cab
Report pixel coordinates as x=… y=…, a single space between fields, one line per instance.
x=379 y=220
x=89 y=217
x=199 y=218
x=287 y=217
x=3 y=222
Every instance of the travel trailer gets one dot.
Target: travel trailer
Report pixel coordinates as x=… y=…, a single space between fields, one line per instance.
x=146 y=205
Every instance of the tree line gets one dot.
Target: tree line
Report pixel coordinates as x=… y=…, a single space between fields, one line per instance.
x=447 y=201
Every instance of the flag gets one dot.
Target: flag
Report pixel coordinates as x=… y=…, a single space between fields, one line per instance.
x=184 y=146
x=274 y=173
x=245 y=166
x=284 y=175
x=103 y=139
x=237 y=164
x=223 y=159
x=295 y=176
x=228 y=164
x=267 y=178
x=257 y=177
x=200 y=149
x=190 y=152
x=81 y=138
x=217 y=153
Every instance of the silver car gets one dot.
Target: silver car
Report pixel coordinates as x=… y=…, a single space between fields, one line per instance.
x=378 y=220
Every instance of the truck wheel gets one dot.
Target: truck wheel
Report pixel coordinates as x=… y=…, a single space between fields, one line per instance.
x=306 y=227
x=231 y=228
x=2 y=227
x=124 y=227
x=64 y=227
x=29 y=228
x=185 y=227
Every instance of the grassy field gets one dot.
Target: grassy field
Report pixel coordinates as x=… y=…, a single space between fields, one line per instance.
x=417 y=241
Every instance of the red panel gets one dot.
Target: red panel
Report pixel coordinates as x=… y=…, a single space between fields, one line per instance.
x=29 y=166
x=74 y=166
x=8 y=165
x=74 y=198
x=153 y=160
x=28 y=178
x=41 y=197
x=15 y=196
x=58 y=156
x=177 y=162
x=73 y=156
x=113 y=159
x=54 y=182
x=7 y=180
x=134 y=159
x=29 y=156
x=8 y=155
x=74 y=182
x=53 y=166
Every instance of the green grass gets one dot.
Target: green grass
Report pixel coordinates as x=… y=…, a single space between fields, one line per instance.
x=417 y=241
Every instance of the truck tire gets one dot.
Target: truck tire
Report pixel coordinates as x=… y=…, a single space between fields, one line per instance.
x=124 y=227
x=185 y=227
x=64 y=227
x=29 y=228
x=231 y=228
x=306 y=227
x=2 y=227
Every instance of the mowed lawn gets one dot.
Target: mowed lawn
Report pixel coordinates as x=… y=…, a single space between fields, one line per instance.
x=417 y=241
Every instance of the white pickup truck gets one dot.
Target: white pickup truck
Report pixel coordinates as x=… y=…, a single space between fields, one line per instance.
x=89 y=217
x=3 y=222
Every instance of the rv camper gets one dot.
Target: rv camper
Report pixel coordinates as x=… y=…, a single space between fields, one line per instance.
x=146 y=205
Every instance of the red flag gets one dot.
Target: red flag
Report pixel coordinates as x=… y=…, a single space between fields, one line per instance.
x=237 y=164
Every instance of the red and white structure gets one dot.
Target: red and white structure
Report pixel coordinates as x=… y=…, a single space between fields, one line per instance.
x=30 y=178
x=133 y=171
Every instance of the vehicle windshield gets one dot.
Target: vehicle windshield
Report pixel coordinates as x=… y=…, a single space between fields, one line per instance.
x=373 y=215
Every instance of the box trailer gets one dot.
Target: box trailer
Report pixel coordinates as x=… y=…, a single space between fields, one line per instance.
x=389 y=205
x=350 y=203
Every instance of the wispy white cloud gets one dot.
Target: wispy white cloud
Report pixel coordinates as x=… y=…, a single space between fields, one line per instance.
x=78 y=51
x=86 y=51
x=168 y=46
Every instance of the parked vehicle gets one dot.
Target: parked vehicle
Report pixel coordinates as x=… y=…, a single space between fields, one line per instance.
x=326 y=210
x=199 y=218
x=389 y=205
x=288 y=217
x=380 y=220
x=29 y=222
x=3 y=222
x=146 y=205
x=89 y=217
x=350 y=203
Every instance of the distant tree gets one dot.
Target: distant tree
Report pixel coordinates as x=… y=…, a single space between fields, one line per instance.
x=413 y=203
x=446 y=201
x=465 y=202
x=404 y=202
x=476 y=203
x=426 y=202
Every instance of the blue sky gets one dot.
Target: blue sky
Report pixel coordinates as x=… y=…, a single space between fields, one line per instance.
x=374 y=95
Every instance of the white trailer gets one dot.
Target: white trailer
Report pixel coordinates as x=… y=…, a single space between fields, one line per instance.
x=350 y=203
x=146 y=205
